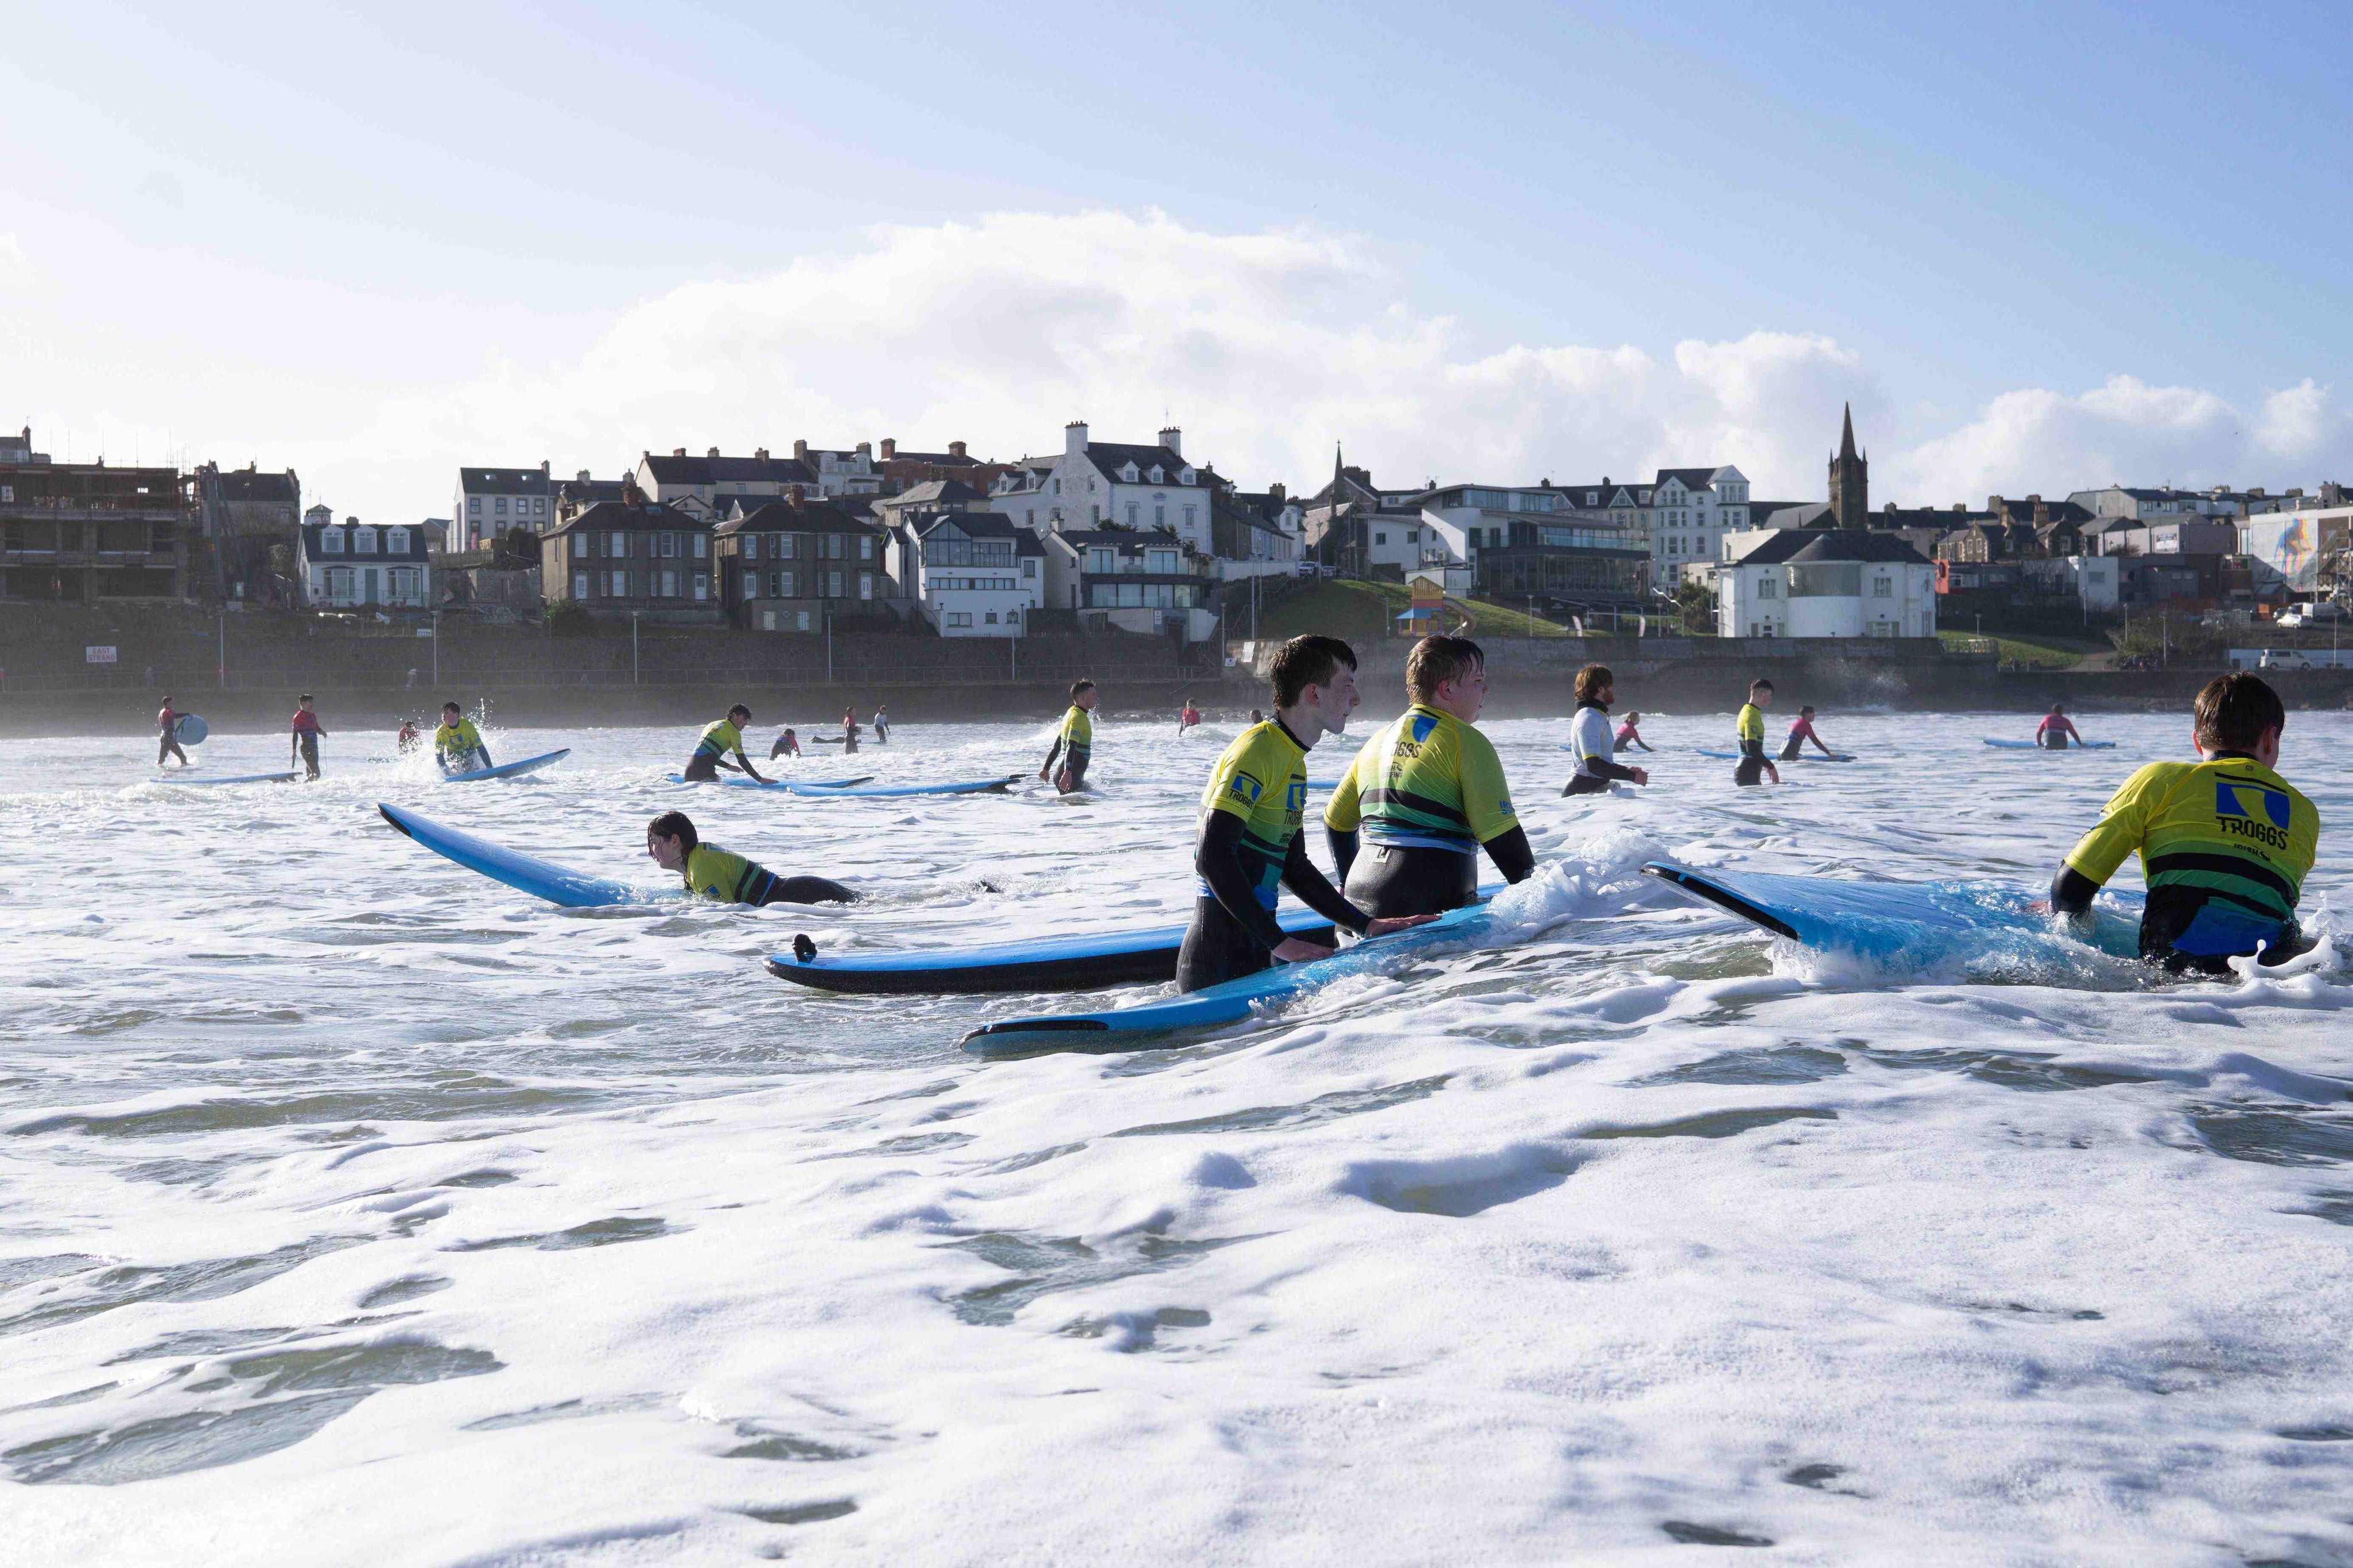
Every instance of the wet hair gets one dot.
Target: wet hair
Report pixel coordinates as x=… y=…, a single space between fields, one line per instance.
x=306 y=696
x=1592 y=679
x=1805 y=710
x=1080 y=689
x=2235 y=711
x=675 y=825
x=452 y=707
x=1309 y=659
x=1631 y=716
x=739 y=708
x=1257 y=717
x=1436 y=660
x=1760 y=684
x=788 y=728
x=2058 y=708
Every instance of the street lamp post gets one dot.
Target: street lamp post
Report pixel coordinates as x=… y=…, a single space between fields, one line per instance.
x=634 y=679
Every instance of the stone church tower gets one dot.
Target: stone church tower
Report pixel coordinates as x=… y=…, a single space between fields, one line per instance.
x=1849 y=483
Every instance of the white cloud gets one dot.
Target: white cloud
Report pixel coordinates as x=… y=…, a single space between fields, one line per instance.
x=1267 y=348
x=15 y=267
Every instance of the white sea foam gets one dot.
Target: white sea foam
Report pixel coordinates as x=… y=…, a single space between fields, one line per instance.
x=354 y=1210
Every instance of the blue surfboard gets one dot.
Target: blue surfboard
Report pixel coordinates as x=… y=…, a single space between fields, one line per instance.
x=508 y=769
x=878 y=792
x=524 y=873
x=2075 y=746
x=190 y=731
x=1919 y=924
x=1800 y=757
x=1147 y=1026
x=738 y=781
x=230 y=779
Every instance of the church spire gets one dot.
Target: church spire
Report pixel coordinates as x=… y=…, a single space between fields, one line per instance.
x=1846 y=441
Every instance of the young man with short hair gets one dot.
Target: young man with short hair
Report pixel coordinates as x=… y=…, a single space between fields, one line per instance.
x=2224 y=842
x=711 y=872
x=1249 y=844
x=719 y=737
x=1589 y=740
x=1749 y=730
x=1428 y=793
x=1074 y=742
x=457 y=745
x=167 y=743
x=307 y=731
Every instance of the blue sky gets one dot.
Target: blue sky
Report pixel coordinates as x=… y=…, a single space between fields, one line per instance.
x=379 y=245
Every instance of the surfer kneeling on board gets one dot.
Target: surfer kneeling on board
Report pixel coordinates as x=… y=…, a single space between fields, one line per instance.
x=719 y=737
x=711 y=872
x=786 y=745
x=1250 y=845
x=1749 y=729
x=458 y=744
x=2224 y=842
x=1589 y=740
x=2054 y=733
x=1799 y=733
x=1074 y=742
x=1629 y=733
x=1429 y=793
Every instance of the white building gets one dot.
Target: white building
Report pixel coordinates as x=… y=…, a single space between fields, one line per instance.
x=352 y=566
x=1826 y=582
x=2093 y=579
x=1691 y=511
x=493 y=500
x=1098 y=482
x=970 y=574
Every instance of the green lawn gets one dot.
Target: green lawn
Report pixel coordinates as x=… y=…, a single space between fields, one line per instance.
x=2011 y=650
x=1368 y=611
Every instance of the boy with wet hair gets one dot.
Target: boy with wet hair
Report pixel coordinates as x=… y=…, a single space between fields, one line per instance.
x=711 y=872
x=457 y=744
x=2224 y=842
x=1749 y=730
x=1074 y=742
x=719 y=737
x=307 y=731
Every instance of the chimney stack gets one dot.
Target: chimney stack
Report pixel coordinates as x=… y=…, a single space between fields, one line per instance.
x=543 y=467
x=1074 y=438
x=583 y=475
x=800 y=450
x=956 y=448
x=711 y=453
x=1277 y=492
x=1174 y=439
x=761 y=453
x=890 y=447
x=793 y=495
x=678 y=451
x=866 y=449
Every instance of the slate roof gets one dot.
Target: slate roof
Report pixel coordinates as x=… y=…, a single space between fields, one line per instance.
x=614 y=514
x=814 y=515
x=697 y=471
x=246 y=485
x=981 y=525
x=1110 y=457
x=1692 y=479
x=1841 y=544
x=417 y=551
x=931 y=494
x=505 y=482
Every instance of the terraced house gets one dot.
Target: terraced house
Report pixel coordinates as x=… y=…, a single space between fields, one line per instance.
x=800 y=563
x=632 y=556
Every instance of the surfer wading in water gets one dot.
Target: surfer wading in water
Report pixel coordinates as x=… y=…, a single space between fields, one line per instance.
x=1428 y=793
x=1249 y=845
x=1749 y=730
x=457 y=744
x=711 y=872
x=1589 y=740
x=2224 y=842
x=307 y=731
x=1074 y=742
x=2056 y=731
x=719 y=737
x=167 y=743
x=1629 y=733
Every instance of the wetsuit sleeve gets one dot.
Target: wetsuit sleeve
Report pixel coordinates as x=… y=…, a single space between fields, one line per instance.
x=1486 y=796
x=1343 y=844
x=1057 y=752
x=1512 y=856
x=2072 y=892
x=2122 y=824
x=1217 y=859
x=1299 y=875
x=1601 y=769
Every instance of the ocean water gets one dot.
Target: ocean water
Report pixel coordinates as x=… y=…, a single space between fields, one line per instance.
x=355 y=1209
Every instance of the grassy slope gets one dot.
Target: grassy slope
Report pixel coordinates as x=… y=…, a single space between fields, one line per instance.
x=2043 y=655
x=1368 y=611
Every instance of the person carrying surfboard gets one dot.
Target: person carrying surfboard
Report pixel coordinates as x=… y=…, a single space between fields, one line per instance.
x=711 y=872
x=719 y=737
x=307 y=731
x=167 y=743
x=457 y=745
x=1801 y=732
x=2224 y=842
x=1589 y=740
x=1074 y=742
x=1749 y=729
x=1249 y=845
x=1428 y=793
x=2056 y=730
x=1629 y=733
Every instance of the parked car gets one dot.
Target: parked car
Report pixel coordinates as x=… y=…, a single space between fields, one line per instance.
x=2292 y=619
x=2283 y=658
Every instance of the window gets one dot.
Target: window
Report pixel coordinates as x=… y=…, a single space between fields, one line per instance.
x=670 y=545
x=833 y=583
x=1766 y=588
x=699 y=542
x=1012 y=618
x=580 y=584
x=330 y=542
x=1058 y=486
x=339 y=582
x=1094 y=516
x=866 y=585
x=1881 y=589
x=617 y=544
x=540 y=506
x=364 y=541
x=1029 y=566
x=865 y=547
x=500 y=506
x=1132 y=511
x=1380 y=539
x=1188 y=517
x=959 y=617
x=474 y=505
x=1103 y=558
x=990 y=617
x=800 y=619
x=1413 y=536
x=780 y=585
x=395 y=542
x=1162 y=560
x=1159 y=512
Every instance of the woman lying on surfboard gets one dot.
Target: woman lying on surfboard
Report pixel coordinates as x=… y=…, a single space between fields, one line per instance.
x=711 y=872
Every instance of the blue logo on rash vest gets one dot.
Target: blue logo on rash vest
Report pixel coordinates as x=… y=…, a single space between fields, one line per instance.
x=2233 y=799
x=1422 y=725
x=1244 y=787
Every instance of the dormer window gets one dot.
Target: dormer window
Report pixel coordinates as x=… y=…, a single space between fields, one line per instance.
x=1128 y=473
x=1185 y=476
x=395 y=542
x=1156 y=478
x=364 y=541
x=330 y=542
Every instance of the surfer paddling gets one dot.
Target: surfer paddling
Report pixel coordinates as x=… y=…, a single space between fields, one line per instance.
x=457 y=745
x=2056 y=731
x=1800 y=733
x=307 y=731
x=1074 y=742
x=786 y=745
x=2224 y=842
x=711 y=872
x=719 y=737
x=1749 y=730
x=1250 y=845
x=1629 y=733
x=1589 y=740
x=167 y=742
x=1428 y=794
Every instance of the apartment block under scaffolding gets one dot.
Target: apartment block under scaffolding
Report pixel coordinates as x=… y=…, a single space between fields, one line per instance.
x=86 y=532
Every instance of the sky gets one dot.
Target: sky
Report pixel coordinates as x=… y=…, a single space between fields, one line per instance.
x=2037 y=247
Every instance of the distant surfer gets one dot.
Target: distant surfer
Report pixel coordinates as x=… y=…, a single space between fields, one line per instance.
x=1249 y=845
x=1428 y=793
x=1589 y=740
x=789 y=744
x=307 y=731
x=2056 y=730
x=1187 y=718
x=167 y=741
x=2224 y=842
x=1629 y=733
x=711 y=872
x=457 y=745
x=719 y=737
x=1749 y=730
x=1074 y=742
x=408 y=739
x=1257 y=717
x=848 y=731
x=882 y=725
x=1801 y=732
